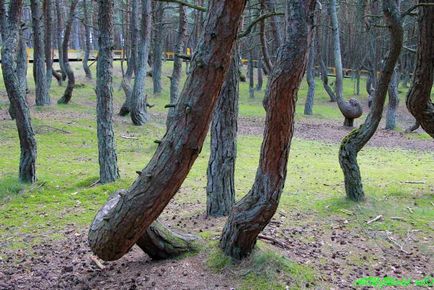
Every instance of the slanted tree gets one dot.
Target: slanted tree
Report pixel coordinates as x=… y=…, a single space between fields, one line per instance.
x=122 y=221
x=157 y=46
x=87 y=24
x=15 y=86
x=39 y=65
x=177 y=62
x=393 y=101
x=356 y=140
x=108 y=167
x=350 y=109
x=419 y=101
x=220 y=188
x=254 y=211
x=67 y=95
x=138 y=110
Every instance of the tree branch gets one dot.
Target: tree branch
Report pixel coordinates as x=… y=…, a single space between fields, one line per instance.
x=197 y=7
x=255 y=21
x=409 y=10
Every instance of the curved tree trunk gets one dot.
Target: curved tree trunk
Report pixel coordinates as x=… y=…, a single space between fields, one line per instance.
x=350 y=109
x=310 y=76
x=254 y=211
x=393 y=101
x=138 y=111
x=108 y=167
x=121 y=222
x=419 y=101
x=157 y=47
x=67 y=95
x=15 y=87
x=87 y=24
x=177 y=63
x=354 y=142
x=48 y=18
x=221 y=165
x=39 y=66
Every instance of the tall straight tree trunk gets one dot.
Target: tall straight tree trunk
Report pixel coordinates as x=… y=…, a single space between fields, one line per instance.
x=122 y=221
x=350 y=109
x=255 y=210
x=139 y=114
x=310 y=76
x=48 y=18
x=259 y=69
x=177 y=62
x=21 y=68
x=393 y=101
x=108 y=167
x=39 y=66
x=251 y=69
x=221 y=165
x=354 y=142
x=131 y=68
x=419 y=101
x=67 y=95
x=157 y=47
x=15 y=88
x=87 y=24
x=59 y=38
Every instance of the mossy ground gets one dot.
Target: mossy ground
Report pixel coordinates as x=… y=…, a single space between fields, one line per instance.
x=397 y=182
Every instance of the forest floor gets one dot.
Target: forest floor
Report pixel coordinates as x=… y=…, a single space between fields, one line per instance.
x=316 y=240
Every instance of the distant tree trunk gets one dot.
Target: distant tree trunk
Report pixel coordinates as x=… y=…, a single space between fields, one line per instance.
x=138 y=111
x=221 y=165
x=87 y=24
x=354 y=142
x=67 y=95
x=131 y=68
x=39 y=66
x=263 y=40
x=310 y=75
x=48 y=17
x=393 y=101
x=59 y=38
x=250 y=67
x=419 y=101
x=108 y=167
x=121 y=222
x=350 y=109
x=10 y=26
x=259 y=69
x=157 y=47
x=177 y=63
x=254 y=211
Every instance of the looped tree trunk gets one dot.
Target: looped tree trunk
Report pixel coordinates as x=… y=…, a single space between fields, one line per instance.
x=123 y=220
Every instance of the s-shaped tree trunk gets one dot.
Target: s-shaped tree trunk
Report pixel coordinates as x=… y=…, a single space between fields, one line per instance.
x=254 y=211
x=122 y=221
x=138 y=111
x=419 y=101
x=220 y=188
x=67 y=95
x=39 y=66
x=15 y=87
x=350 y=109
x=108 y=167
x=354 y=142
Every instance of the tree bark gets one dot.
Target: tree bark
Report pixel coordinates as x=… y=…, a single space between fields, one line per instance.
x=67 y=95
x=251 y=69
x=310 y=76
x=177 y=63
x=87 y=24
x=350 y=109
x=138 y=110
x=108 y=167
x=354 y=142
x=39 y=65
x=157 y=47
x=254 y=211
x=259 y=69
x=393 y=101
x=15 y=87
x=59 y=39
x=221 y=165
x=48 y=18
x=119 y=224
x=419 y=101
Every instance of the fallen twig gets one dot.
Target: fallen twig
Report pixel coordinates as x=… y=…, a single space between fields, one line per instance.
x=129 y=137
x=97 y=262
x=410 y=209
x=397 y=218
x=377 y=218
x=415 y=182
x=274 y=241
